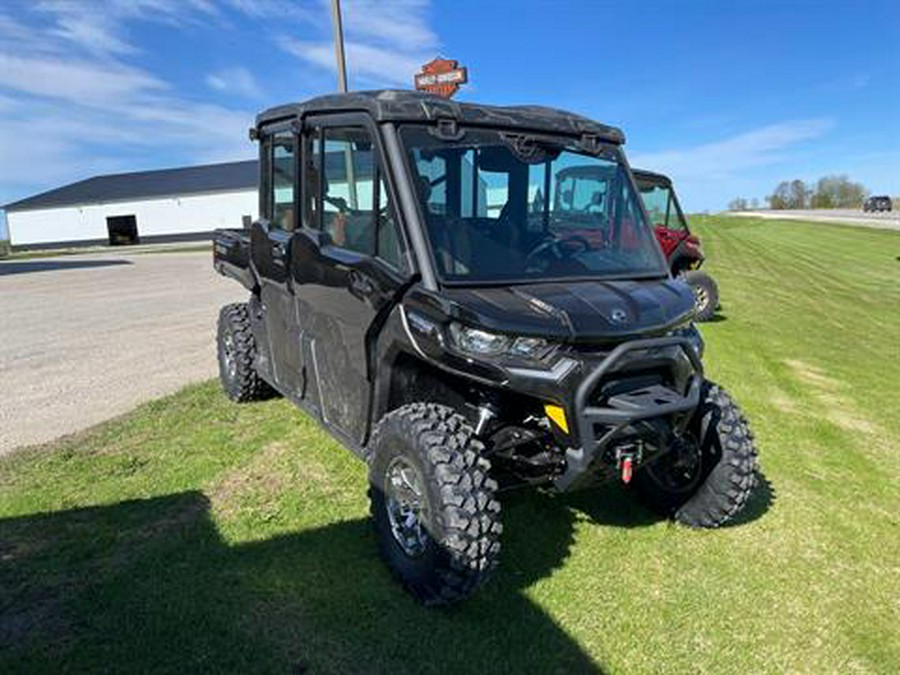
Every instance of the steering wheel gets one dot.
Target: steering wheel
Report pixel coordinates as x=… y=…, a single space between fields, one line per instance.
x=556 y=245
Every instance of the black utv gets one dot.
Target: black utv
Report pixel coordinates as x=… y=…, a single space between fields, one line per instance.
x=419 y=283
x=880 y=203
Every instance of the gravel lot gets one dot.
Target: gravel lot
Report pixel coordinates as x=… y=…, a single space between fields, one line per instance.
x=84 y=338
x=888 y=220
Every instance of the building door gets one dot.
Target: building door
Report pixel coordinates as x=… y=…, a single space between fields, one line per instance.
x=122 y=230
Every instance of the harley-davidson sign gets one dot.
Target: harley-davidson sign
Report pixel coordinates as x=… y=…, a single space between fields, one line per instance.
x=441 y=77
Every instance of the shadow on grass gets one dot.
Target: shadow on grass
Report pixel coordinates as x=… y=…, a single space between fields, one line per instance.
x=28 y=266
x=150 y=586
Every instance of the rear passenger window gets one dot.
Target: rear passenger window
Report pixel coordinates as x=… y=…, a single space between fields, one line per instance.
x=283 y=175
x=353 y=206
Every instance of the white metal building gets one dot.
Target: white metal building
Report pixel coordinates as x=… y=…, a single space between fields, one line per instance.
x=126 y=208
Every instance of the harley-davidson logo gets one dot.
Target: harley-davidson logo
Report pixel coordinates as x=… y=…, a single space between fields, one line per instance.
x=441 y=77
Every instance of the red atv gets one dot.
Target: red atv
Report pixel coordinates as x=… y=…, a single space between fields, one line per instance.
x=682 y=249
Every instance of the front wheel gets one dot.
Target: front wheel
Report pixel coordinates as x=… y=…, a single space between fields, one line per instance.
x=433 y=503
x=706 y=294
x=707 y=477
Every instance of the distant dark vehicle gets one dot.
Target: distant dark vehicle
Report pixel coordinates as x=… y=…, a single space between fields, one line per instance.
x=882 y=203
x=679 y=244
x=430 y=282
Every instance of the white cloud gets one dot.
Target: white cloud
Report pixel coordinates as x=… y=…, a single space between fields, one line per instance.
x=725 y=167
x=237 y=80
x=101 y=30
x=70 y=109
x=95 y=33
x=75 y=101
x=281 y=9
x=75 y=81
x=398 y=23
x=760 y=147
x=386 y=41
x=365 y=63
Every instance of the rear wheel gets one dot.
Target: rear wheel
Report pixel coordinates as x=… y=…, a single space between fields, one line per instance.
x=236 y=348
x=706 y=294
x=708 y=477
x=433 y=503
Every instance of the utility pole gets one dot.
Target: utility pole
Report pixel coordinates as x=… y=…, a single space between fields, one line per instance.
x=339 y=44
x=342 y=85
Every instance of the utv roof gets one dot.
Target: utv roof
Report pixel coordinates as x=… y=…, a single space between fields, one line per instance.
x=651 y=178
x=414 y=106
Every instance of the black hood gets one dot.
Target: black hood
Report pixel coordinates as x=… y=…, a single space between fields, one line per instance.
x=576 y=311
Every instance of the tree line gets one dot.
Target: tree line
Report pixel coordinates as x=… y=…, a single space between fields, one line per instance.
x=829 y=192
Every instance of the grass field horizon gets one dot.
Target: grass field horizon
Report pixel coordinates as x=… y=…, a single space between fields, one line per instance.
x=197 y=535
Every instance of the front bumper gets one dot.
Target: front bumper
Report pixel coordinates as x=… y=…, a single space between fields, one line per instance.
x=600 y=426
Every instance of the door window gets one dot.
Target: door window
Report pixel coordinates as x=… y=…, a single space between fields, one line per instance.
x=283 y=179
x=661 y=207
x=656 y=201
x=350 y=202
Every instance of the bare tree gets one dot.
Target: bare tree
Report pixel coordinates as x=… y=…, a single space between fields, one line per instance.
x=737 y=204
x=800 y=194
x=838 y=192
x=792 y=194
x=781 y=197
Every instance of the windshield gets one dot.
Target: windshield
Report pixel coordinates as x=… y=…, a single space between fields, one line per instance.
x=502 y=207
x=661 y=206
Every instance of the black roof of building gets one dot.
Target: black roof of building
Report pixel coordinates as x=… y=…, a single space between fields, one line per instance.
x=414 y=106
x=144 y=184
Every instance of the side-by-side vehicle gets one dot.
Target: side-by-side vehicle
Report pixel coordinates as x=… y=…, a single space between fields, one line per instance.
x=427 y=281
x=680 y=246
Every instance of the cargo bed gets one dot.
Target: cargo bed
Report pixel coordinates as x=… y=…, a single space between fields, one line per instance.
x=231 y=256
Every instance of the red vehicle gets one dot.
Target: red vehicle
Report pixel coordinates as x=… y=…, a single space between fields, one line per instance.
x=682 y=249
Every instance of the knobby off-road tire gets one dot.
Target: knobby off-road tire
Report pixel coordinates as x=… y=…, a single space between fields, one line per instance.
x=459 y=514
x=706 y=294
x=236 y=348
x=727 y=473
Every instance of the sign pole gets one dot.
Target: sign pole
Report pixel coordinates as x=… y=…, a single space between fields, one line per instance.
x=342 y=86
x=339 y=44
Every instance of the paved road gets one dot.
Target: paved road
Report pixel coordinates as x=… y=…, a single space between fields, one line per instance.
x=886 y=220
x=84 y=338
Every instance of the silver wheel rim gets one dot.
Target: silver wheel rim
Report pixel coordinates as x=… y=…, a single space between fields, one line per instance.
x=701 y=298
x=229 y=356
x=406 y=506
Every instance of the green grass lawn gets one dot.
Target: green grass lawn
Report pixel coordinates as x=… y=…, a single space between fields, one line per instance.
x=195 y=535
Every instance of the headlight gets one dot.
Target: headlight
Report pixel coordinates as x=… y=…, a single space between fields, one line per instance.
x=479 y=342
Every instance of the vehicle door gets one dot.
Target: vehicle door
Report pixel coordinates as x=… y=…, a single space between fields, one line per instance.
x=348 y=262
x=270 y=243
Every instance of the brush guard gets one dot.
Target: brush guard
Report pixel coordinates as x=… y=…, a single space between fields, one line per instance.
x=622 y=410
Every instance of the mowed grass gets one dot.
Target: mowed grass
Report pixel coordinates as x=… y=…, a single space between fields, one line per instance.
x=195 y=535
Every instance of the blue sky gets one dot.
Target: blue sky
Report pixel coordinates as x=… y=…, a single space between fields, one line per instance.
x=728 y=97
